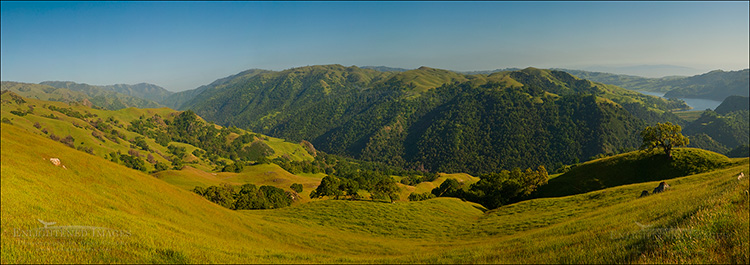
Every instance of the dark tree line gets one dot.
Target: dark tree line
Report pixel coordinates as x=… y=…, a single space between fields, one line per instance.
x=493 y=189
x=248 y=196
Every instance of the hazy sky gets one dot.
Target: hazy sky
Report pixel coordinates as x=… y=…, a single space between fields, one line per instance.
x=182 y=45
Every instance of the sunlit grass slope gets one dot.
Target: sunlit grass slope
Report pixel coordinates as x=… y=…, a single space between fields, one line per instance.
x=703 y=218
x=632 y=167
x=81 y=129
x=259 y=175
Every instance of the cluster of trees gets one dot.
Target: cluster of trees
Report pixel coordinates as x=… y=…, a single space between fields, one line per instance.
x=71 y=113
x=247 y=197
x=133 y=159
x=493 y=189
x=107 y=128
x=352 y=169
x=384 y=189
x=188 y=128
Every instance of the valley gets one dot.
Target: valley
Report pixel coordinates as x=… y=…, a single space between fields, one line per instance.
x=146 y=172
x=374 y=132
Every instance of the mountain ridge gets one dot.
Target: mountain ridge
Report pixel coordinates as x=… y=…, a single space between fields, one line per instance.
x=364 y=113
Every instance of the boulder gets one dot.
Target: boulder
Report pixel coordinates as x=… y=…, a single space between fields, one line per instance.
x=55 y=161
x=662 y=187
x=644 y=194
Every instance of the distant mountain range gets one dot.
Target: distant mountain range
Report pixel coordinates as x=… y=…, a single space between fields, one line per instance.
x=714 y=85
x=142 y=90
x=649 y=71
x=102 y=97
x=386 y=68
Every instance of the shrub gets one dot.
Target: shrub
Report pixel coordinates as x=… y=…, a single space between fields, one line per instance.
x=85 y=149
x=421 y=196
x=134 y=152
x=159 y=166
x=296 y=187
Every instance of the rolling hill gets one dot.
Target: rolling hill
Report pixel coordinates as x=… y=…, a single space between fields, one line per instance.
x=106 y=132
x=632 y=167
x=96 y=211
x=714 y=85
x=177 y=100
x=436 y=119
x=79 y=93
x=141 y=90
x=182 y=148
x=44 y=92
x=724 y=129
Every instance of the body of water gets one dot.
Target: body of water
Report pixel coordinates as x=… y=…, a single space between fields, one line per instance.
x=695 y=103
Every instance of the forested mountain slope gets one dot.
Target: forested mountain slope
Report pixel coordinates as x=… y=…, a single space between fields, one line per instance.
x=436 y=119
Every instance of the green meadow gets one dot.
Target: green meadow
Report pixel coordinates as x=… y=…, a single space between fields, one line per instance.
x=701 y=219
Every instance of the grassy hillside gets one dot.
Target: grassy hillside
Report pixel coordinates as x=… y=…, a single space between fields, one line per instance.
x=703 y=219
x=106 y=131
x=632 y=167
x=259 y=175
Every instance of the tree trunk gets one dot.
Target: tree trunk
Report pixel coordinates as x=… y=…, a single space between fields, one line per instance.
x=668 y=151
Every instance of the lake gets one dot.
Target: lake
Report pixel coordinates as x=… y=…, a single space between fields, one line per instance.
x=695 y=103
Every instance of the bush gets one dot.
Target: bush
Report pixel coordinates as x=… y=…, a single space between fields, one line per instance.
x=223 y=195
x=296 y=187
x=421 y=196
x=86 y=149
x=69 y=141
x=159 y=166
x=133 y=162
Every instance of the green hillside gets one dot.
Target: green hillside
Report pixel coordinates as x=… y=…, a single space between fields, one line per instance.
x=632 y=167
x=177 y=100
x=733 y=103
x=716 y=85
x=105 y=132
x=136 y=218
x=729 y=130
x=435 y=119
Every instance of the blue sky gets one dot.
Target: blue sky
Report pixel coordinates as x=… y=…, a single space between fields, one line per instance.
x=182 y=45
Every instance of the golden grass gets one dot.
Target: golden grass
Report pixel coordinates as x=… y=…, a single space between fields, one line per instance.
x=702 y=219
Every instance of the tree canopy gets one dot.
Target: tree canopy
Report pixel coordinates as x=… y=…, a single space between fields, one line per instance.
x=665 y=136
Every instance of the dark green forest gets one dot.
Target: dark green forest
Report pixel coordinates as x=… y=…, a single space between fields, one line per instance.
x=436 y=120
